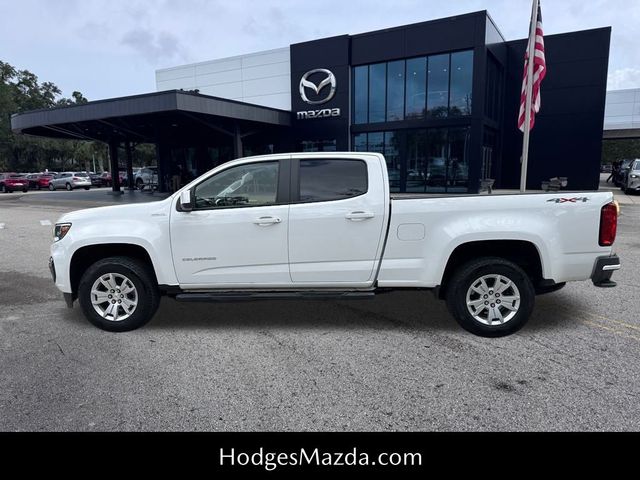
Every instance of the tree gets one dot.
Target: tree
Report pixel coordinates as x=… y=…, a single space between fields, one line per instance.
x=20 y=91
x=620 y=149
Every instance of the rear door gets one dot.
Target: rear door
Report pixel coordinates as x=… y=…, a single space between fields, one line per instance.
x=336 y=220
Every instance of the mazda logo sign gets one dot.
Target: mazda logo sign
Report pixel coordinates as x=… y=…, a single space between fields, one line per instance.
x=305 y=83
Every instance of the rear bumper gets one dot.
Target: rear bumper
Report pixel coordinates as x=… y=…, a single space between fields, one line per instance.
x=603 y=270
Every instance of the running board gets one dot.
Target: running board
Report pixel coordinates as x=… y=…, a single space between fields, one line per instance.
x=252 y=296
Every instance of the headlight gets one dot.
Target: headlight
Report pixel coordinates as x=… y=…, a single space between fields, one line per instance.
x=633 y=175
x=60 y=230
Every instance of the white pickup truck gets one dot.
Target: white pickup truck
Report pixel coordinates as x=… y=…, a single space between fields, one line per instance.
x=325 y=226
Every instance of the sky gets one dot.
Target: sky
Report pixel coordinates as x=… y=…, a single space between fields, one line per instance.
x=112 y=48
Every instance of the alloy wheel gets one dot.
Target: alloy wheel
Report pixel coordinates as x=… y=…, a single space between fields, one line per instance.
x=493 y=299
x=114 y=297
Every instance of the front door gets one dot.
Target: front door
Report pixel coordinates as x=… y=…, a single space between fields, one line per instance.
x=236 y=235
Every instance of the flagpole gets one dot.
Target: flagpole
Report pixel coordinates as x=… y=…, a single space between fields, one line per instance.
x=527 y=113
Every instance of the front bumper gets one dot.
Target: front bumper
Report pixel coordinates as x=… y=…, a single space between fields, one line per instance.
x=52 y=269
x=603 y=270
x=68 y=297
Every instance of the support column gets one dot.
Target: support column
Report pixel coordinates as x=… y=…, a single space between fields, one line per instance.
x=130 y=179
x=237 y=143
x=202 y=160
x=115 y=170
x=163 y=159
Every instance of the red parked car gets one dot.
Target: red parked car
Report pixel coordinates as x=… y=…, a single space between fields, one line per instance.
x=43 y=181
x=106 y=178
x=10 y=182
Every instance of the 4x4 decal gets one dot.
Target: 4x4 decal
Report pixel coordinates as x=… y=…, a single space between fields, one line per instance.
x=569 y=200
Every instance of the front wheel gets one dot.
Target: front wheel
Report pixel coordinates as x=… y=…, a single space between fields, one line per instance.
x=4 y=189
x=87 y=188
x=491 y=297
x=118 y=294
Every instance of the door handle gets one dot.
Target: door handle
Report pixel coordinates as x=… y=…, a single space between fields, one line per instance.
x=266 y=221
x=359 y=216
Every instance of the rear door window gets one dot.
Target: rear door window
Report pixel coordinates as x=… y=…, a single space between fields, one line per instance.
x=323 y=180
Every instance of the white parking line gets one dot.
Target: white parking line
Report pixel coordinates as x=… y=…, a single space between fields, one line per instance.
x=45 y=223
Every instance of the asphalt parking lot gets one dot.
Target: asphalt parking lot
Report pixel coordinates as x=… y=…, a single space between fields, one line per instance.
x=398 y=362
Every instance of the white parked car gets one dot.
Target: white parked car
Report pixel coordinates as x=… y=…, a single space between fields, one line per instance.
x=70 y=181
x=146 y=177
x=324 y=225
x=633 y=178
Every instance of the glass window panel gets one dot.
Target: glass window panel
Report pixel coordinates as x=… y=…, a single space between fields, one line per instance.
x=375 y=142
x=326 y=180
x=416 y=87
x=395 y=91
x=438 y=86
x=318 y=146
x=437 y=155
x=458 y=171
x=416 y=161
x=360 y=94
x=250 y=185
x=360 y=142
x=461 y=83
x=377 y=81
x=392 y=156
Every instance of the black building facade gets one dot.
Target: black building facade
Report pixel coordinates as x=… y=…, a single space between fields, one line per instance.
x=439 y=99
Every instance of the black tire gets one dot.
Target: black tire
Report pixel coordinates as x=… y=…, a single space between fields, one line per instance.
x=468 y=274
x=144 y=282
x=68 y=187
x=4 y=189
x=140 y=184
x=51 y=188
x=25 y=190
x=87 y=188
x=38 y=187
x=549 y=289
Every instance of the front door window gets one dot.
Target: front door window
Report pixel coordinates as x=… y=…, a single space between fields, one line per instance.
x=249 y=185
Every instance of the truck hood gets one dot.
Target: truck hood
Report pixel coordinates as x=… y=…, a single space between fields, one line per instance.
x=140 y=210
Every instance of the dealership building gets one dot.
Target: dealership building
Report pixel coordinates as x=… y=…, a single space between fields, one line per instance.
x=439 y=99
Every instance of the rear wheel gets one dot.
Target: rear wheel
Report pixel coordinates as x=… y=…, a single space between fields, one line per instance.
x=51 y=188
x=87 y=188
x=139 y=184
x=69 y=187
x=4 y=189
x=491 y=297
x=118 y=294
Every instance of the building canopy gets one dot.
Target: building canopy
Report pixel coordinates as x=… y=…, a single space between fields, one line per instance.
x=171 y=118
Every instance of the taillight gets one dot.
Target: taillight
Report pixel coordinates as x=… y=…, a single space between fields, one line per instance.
x=608 y=224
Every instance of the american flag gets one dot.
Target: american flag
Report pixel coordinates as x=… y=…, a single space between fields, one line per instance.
x=539 y=72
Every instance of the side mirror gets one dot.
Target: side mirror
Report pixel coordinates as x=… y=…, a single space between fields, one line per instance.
x=185 y=201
